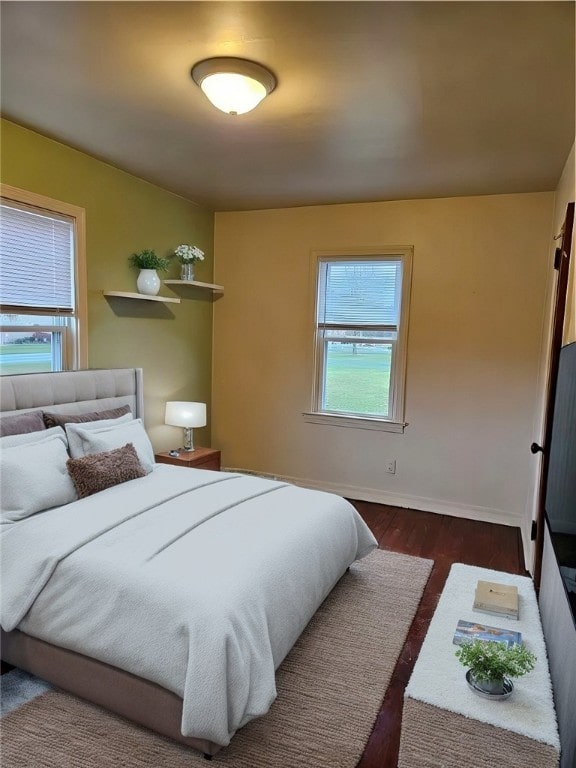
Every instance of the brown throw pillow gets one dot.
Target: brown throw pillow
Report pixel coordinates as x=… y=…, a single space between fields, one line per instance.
x=99 y=471
x=59 y=419
x=21 y=423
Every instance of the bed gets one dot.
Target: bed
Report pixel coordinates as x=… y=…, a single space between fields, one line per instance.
x=171 y=597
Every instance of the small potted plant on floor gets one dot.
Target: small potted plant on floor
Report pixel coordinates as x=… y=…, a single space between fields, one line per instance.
x=148 y=262
x=491 y=664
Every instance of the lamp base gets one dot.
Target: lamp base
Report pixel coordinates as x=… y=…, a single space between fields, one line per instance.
x=188 y=441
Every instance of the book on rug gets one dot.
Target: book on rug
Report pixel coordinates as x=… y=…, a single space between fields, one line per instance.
x=467 y=631
x=497 y=599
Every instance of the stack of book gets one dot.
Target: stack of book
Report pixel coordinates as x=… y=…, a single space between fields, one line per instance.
x=496 y=599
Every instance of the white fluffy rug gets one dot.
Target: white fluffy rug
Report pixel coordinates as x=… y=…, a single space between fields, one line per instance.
x=438 y=676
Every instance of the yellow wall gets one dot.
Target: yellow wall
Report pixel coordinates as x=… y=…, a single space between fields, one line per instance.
x=478 y=294
x=172 y=343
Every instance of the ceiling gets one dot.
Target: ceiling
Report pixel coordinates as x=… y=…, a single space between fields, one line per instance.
x=375 y=100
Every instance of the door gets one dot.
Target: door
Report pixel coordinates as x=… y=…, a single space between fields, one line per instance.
x=562 y=265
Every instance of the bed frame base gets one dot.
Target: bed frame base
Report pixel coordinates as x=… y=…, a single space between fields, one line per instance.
x=134 y=698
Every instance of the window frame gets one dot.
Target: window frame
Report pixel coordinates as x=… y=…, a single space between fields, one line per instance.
x=395 y=422
x=75 y=336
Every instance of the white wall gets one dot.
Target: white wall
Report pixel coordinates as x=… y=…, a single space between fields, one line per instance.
x=478 y=298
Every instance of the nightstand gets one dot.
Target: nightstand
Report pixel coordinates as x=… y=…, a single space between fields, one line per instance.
x=200 y=458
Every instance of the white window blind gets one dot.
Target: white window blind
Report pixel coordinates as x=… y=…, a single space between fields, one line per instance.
x=363 y=294
x=37 y=260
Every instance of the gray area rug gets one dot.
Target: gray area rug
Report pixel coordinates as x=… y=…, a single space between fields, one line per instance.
x=18 y=687
x=330 y=688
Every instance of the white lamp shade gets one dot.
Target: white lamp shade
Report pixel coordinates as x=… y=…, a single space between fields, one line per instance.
x=183 y=414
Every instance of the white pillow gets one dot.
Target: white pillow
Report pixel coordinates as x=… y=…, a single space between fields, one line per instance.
x=34 y=478
x=85 y=442
x=31 y=437
x=74 y=441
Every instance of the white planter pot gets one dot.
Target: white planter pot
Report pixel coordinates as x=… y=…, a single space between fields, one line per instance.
x=148 y=282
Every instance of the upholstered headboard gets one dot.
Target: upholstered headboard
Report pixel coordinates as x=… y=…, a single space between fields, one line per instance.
x=73 y=391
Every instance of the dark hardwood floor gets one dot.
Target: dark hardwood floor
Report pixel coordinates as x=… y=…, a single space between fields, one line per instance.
x=446 y=540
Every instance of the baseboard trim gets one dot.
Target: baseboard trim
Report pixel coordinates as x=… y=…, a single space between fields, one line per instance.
x=378 y=496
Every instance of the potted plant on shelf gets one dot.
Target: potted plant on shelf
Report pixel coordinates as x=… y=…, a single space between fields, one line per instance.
x=148 y=262
x=188 y=255
x=491 y=664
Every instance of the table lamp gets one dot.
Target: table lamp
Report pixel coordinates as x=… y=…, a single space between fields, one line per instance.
x=186 y=415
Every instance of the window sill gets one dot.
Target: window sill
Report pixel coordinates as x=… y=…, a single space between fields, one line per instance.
x=355 y=422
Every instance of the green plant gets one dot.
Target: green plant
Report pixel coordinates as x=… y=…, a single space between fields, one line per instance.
x=489 y=660
x=149 y=260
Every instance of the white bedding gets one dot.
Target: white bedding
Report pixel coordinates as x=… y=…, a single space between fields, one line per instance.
x=196 y=580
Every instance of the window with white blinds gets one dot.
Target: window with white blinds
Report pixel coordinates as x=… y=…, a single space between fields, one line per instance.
x=363 y=293
x=361 y=321
x=37 y=259
x=42 y=283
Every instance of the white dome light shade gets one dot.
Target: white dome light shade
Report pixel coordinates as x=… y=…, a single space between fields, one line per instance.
x=233 y=93
x=234 y=86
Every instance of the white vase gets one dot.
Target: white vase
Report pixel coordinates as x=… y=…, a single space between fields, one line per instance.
x=148 y=282
x=187 y=271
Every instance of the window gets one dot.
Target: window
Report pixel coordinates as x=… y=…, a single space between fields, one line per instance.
x=361 y=323
x=42 y=284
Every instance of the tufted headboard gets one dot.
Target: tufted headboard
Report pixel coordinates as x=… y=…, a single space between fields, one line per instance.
x=73 y=391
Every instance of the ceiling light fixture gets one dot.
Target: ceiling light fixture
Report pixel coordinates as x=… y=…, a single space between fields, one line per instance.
x=233 y=85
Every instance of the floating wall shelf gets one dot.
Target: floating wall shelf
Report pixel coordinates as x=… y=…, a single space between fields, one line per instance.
x=196 y=283
x=143 y=296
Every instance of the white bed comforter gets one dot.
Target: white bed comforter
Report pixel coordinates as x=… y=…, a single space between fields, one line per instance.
x=196 y=580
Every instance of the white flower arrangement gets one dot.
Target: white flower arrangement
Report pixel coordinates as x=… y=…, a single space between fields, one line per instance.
x=189 y=254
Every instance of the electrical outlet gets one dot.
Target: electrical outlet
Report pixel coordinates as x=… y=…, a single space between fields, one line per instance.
x=391 y=467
